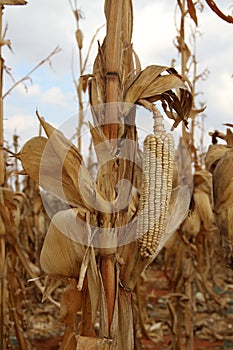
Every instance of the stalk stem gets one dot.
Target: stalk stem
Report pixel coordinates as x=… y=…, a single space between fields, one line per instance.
x=113 y=58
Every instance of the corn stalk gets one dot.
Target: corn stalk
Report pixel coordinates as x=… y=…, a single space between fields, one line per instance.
x=103 y=271
x=3 y=283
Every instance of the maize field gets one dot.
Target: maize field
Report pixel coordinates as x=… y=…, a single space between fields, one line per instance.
x=133 y=250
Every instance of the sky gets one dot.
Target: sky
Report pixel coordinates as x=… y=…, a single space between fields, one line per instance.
x=37 y=28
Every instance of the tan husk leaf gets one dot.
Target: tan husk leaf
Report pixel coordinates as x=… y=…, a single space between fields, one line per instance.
x=67 y=162
x=191 y=225
x=223 y=182
x=89 y=343
x=223 y=198
x=213 y=155
x=204 y=209
x=103 y=149
x=177 y=107
x=224 y=220
x=192 y=11
x=93 y=285
x=161 y=84
x=61 y=254
x=48 y=173
x=141 y=82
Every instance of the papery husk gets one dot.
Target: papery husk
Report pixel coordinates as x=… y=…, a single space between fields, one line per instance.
x=201 y=213
x=150 y=83
x=192 y=224
x=223 y=182
x=89 y=343
x=213 y=155
x=178 y=208
x=204 y=209
x=223 y=196
x=104 y=151
x=202 y=180
x=57 y=166
x=224 y=220
x=76 y=169
x=55 y=178
x=61 y=254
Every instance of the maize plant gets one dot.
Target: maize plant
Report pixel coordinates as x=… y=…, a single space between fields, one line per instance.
x=219 y=161
x=117 y=223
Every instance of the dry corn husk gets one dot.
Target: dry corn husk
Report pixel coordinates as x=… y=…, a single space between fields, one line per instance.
x=201 y=214
x=89 y=343
x=223 y=182
x=213 y=155
x=61 y=253
x=48 y=173
x=191 y=225
x=57 y=166
x=204 y=209
x=223 y=195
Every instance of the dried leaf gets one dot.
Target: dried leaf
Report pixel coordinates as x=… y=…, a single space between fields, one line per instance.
x=142 y=82
x=49 y=172
x=192 y=11
x=191 y=225
x=89 y=343
x=103 y=149
x=50 y=285
x=70 y=303
x=223 y=182
x=162 y=84
x=178 y=209
x=62 y=254
x=204 y=209
x=213 y=155
x=57 y=166
x=79 y=38
x=93 y=285
x=181 y=104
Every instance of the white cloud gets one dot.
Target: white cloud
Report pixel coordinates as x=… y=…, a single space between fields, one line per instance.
x=29 y=90
x=54 y=96
x=20 y=122
x=153 y=32
x=23 y=125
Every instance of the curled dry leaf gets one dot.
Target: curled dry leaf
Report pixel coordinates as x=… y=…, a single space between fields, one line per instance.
x=142 y=82
x=192 y=11
x=191 y=225
x=62 y=253
x=57 y=166
x=223 y=182
x=204 y=209
x=213 y=155
x=49 y=172
x=223 y=197
x=177 y=107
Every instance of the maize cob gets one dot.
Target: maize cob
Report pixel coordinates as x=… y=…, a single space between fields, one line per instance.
x=158 y=161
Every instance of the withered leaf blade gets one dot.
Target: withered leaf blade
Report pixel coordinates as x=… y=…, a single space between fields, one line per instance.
x=223 y=182
x=192 y=11
x=72 y=171
x=48 y=173
x=213 y=155
x=176 y=107
x=62 y=253
x=142 y=82
x=161 y=84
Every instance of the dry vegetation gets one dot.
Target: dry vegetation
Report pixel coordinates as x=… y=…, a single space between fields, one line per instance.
x=105 y=294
